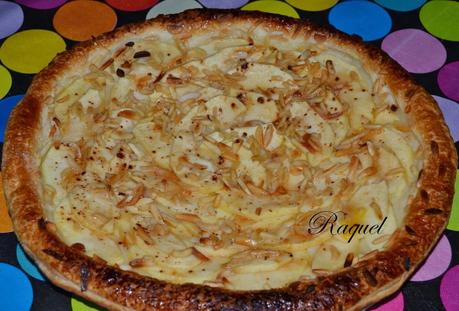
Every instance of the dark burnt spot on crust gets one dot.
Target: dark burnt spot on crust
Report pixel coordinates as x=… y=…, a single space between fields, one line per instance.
x=441 y=170
x=110 y=276
x=84 y=277
x=54 y=254
x=310 y=289
x=410 y=93
x=434 y=147
x=424 y=195
x=320 y=37
x=78 y=247
x=420 y=174
x=175 y=28
x=371 y=279
x=407 y=263
x=348 y=260
x=410 y=243
x=46 y=225
x=41 y=223
x=410 y=230
x=433 y=211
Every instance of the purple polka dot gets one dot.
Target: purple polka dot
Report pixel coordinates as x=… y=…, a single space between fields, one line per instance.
x=448 y=289
x=415 y=50
x=41 y=4
x=450 y=111
x=392 y=303
x=223 y=4
x=448 y=80
x=436 y=264
x=11 y=18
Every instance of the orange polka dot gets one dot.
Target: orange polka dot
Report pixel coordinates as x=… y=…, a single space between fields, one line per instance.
x=81 y=19
x=5 y=221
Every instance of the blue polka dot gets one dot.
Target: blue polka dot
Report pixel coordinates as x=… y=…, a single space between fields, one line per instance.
x=6 y=105
x=401 y=5
x=362 y=18
x=26 y=265
x=15 y=289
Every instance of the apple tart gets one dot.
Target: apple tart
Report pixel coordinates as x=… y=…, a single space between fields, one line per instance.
x=228 y=160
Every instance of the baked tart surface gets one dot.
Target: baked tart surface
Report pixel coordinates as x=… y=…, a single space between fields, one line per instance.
x=218 y=159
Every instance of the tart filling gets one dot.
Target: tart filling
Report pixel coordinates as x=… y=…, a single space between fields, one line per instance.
x=205 y=162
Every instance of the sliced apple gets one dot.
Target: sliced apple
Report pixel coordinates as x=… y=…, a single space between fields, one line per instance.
x=395 y=141
x=263 y=76
x=67 y=97
x=55 y=162
x=153 y=142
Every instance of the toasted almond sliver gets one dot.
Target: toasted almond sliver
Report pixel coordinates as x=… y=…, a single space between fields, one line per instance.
x=381 y=239
x=368 y=172
x=268 y=135
x=128 y=114
x=199 y=255
x=243 y=186
x=138 y=194
x=256 y=190
x=193 y=218
x=377 y=209
x=217 y=200
x=321 y=272
x=63 y=99
x=141 y=262
x=106 y=64
x=227 y=152
x=144 y=235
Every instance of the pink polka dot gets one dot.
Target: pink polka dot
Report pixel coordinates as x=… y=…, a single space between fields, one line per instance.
x=437 y=262
x=448 y=80
x=415 y=50
x=448 y=289
x=392 y=303
x=450 y=110
x=41 y=4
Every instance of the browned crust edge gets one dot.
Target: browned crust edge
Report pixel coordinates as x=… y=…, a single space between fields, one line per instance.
x=352 y=288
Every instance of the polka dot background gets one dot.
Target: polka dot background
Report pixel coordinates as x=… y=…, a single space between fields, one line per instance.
x=422 y=36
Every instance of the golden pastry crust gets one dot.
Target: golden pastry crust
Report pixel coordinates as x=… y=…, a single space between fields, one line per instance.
x=352 y=288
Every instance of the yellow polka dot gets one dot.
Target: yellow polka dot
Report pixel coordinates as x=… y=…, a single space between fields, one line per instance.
x=30 y=51
x=5 y=81
x=79 y=304
x=312 y=5
x=5 y=221
x=453 y=223
x=271 y=6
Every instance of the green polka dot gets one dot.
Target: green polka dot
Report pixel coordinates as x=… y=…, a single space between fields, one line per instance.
x=79 y=304
x=453 y=223
x=440 y=19
x=5 y=81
